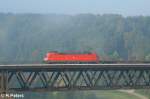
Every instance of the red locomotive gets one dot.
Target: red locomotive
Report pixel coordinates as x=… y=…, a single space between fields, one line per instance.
x=56 y=57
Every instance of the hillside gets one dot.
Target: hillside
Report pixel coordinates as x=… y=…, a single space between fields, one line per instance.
x=27 y=37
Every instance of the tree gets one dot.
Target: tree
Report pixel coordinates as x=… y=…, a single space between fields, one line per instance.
x=147 y=58
x=115 y=56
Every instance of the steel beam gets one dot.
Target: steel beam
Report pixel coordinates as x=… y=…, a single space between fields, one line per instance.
x=73 y=77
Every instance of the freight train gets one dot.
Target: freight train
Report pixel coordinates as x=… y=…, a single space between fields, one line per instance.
x=57 y=57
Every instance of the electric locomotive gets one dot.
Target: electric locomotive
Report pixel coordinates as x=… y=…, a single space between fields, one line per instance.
x=57 y=57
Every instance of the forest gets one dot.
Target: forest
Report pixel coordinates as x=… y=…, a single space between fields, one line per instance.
x=26 y=38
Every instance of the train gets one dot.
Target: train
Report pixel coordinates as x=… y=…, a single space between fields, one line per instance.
x=79 y=58
x=57 y=57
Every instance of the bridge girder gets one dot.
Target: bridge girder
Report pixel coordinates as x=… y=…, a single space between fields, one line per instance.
x=61 y=79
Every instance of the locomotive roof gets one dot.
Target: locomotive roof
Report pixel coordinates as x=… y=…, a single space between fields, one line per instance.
x=71 y=52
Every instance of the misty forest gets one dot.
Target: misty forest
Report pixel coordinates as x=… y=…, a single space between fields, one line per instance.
x=28 y=37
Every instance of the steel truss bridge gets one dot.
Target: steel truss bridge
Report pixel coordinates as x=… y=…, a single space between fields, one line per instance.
x=61 y=77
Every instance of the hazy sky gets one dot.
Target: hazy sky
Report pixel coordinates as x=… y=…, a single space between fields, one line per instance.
x=124 y=7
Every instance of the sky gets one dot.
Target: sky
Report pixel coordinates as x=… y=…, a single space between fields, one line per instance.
x=123 y=7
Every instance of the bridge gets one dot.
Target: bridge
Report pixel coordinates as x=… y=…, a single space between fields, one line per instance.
x=63 y=77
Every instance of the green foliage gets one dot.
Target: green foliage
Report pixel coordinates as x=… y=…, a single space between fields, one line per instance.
x=145 y=92
x=115 y=56
x=27 y=37
x=81 y=95
x=147 y=58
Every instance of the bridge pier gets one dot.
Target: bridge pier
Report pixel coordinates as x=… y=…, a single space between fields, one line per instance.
x=3 y=81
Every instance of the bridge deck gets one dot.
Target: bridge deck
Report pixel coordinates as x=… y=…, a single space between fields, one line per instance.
x=72 y=66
